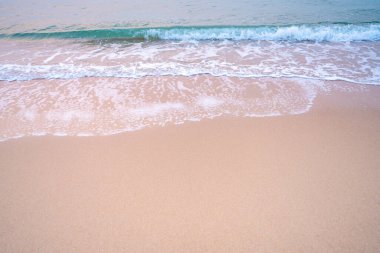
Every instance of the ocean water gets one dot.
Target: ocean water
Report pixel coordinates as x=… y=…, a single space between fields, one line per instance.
x=104 y=67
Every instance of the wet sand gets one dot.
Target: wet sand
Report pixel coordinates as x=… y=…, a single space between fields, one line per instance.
x=302 y=183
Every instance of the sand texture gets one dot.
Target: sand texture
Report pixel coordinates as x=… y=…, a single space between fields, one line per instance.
x=301 y=183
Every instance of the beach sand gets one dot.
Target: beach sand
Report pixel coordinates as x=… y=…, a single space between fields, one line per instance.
x=301 y=183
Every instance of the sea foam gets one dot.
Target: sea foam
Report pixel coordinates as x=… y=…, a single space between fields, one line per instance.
x=104 y=106
x=302 y=32
x=357 y=62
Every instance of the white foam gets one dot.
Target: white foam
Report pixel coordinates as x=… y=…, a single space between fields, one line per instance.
x=357 y=62
x=167 y=82
x=30 y=115
x=52 y=57
x=107 y=106
x=328 y=32
x=154 y=109
x=69 y=115
x=207 y=102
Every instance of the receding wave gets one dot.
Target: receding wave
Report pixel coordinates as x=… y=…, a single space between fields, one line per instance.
x=105 y=106
x=305 y=32
x=23 y=60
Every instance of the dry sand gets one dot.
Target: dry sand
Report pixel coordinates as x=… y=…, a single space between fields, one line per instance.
x=304 y=183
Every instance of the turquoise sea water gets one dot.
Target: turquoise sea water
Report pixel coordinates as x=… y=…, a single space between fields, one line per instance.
x=142 y=33
x=339 y=20
x=312 y=32
x=18 y=16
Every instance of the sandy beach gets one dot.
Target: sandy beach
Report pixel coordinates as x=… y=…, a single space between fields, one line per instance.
x=201 y=126
x=301 y=183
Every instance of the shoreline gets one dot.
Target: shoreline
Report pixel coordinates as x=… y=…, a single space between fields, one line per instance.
x=109 y=106
x=300 y=183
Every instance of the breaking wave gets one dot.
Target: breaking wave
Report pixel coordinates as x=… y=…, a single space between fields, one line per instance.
x=303 y=32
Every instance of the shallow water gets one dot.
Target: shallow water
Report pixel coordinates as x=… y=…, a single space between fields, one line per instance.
x=99 y=68
x=106 y=106
x=54 y=15
x=66 y=59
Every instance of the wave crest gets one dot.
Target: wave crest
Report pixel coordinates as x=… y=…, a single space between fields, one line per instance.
x=305 y=32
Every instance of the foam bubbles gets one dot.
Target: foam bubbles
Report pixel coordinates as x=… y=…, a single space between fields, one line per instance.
x=305 y=32
x=357 y=62
x=62 y=87
x=155 y=109
x=207 y=102
x=105 y=106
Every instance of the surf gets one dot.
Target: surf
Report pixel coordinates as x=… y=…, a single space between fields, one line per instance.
x=335 y=32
